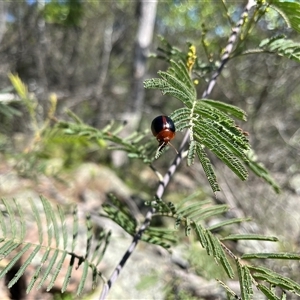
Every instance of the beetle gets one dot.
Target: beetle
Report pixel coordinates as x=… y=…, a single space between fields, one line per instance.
x=163 y=128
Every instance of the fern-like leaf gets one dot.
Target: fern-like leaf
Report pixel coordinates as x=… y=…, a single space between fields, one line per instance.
x=103 y=238
x=273 y=278
x=15 y=259
x=228 y=109
x=208 y=168
x=134 y=145
x=259 y=170
x=282 y=46
x=209 y=122
x=245 y=281
x=219 y=254
x=221 y=151
x=49 y=267
x=63 y=227
x=209 y=212
x=172 y=84
x=186 y=209
x=160 y=236
x=191 y=153
x=213 y=247
x=68 y=274
x=121 y=214
x=83 y=277
x=194 y=211
x=269 y=293
x=289 y=10
x=53 y=249
x=24 y=265
x=228 y=222
x=191 y=213
x=38 y=221
x=285 y=255
x=13 y=224
x=57 y=271
x=38 y=271
x=236 y=237
x=229 y=291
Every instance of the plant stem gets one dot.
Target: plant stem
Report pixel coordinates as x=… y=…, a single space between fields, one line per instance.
x=166 y=179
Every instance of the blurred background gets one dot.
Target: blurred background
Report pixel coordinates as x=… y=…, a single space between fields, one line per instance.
x=94 y=55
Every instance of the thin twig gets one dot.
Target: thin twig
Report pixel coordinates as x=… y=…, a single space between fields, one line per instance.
x=163 y=184
x=228 y=49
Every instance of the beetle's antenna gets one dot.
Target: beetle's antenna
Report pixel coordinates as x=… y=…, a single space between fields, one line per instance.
x=162 y=146
x=173 y=147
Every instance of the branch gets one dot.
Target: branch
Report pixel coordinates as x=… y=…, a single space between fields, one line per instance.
x=228 y=49
x=163 y=184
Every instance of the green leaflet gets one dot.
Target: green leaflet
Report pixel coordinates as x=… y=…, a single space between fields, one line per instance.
x=190 y=209
x=50 y=254
x=37 y=220
x=75 y=229
x=175 y=82
x=210 y=122
x=180 y=71
x=228 y=222
x=213 y=128
x=245 y=281
x=289 y=10
x=12 y=222
x=22 y=220
x=24 y=265
x=51 y=263
x=226 y=108
x=235 y=237
x=136 y=145
x=14 y=260
x=213 y=247
x=68 y=275
x=282 y=46
x=63 y=227
x=160 y=236
x=267 y=292
x=262 y=273
x=259 y=170
x=191 y=153
x=83 y=278
x=284 y=255
x=196 y=147
x=120 y=214
x=57 y=271
x=181 y=118
x=228 y=290
x=38 y=271
x=201 y=235
x=48 y=214
x=99 y=254
x=8 y=247
x=222 y=152
x=170 y=85
x=209 y=212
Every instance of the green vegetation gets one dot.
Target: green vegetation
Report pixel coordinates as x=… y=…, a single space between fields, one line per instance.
x=236 y=82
